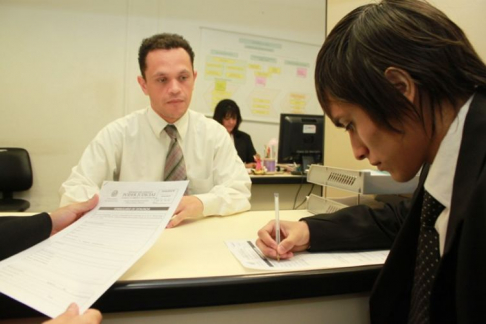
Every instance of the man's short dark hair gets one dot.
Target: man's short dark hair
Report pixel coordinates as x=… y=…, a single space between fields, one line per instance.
x=163 y=41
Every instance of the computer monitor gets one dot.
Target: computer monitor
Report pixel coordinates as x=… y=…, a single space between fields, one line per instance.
x=301 y=139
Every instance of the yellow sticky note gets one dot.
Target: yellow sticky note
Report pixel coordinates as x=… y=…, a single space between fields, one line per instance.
x=220 y=85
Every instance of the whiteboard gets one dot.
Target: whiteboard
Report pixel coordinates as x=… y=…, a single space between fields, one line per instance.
x=265 y=76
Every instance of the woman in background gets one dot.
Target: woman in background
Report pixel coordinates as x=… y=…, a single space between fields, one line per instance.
x=227 y=113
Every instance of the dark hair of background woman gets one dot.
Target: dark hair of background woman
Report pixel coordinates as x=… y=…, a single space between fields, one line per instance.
x=227 y=108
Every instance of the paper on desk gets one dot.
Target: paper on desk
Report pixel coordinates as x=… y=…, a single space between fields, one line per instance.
x=81 y=262
x=251 y=257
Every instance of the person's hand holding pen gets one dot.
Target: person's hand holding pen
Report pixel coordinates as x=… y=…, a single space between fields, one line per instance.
x=277 y=223
x=295 y=238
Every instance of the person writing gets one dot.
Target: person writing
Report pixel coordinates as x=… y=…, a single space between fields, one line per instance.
x=228 y=114
x=166 y=141
x=406 y=84
x=20 y=233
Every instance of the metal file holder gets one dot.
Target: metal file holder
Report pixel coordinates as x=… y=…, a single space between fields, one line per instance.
x=358 y=182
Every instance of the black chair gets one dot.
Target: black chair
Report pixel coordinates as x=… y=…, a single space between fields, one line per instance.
x=15 y=175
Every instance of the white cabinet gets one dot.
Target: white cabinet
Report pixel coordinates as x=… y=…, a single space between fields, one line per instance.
x=363 y=185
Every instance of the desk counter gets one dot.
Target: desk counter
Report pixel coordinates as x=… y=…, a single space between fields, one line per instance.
x=278 y=178
x=292 y=189
x=190 y=266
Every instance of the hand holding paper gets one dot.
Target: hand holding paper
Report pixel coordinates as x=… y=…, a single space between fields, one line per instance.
x=82 y=261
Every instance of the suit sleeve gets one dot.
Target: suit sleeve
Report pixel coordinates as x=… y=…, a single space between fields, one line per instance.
x=20 y=233
x=471 y=261
x=357 y=228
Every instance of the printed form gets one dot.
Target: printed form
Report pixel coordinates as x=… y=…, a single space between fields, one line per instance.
x=82 y=261
x=250 y=256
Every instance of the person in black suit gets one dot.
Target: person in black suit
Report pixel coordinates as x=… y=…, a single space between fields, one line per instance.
x=227 y=113
x=406 y=84
x=19 y=233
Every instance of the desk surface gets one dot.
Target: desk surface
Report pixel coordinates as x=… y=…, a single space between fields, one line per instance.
x=198 y=249
x=190 y=266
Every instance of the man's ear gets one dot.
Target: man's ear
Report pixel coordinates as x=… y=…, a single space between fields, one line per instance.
x=402 y=81
x=143 y=84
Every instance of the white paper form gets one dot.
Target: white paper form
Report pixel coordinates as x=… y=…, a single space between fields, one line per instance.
x=251 y=257
x=82 y=261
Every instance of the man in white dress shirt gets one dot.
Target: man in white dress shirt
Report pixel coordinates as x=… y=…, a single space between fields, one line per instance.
x=134 y=148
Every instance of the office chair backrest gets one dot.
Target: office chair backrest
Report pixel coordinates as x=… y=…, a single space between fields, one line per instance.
x=15 y=175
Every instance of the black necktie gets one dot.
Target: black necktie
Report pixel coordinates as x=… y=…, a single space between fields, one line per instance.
x=427 y=261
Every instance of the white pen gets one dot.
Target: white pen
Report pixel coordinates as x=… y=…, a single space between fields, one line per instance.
x=277 y=224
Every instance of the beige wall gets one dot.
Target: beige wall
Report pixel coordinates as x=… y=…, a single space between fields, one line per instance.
x=468 y=14
x=68 y=67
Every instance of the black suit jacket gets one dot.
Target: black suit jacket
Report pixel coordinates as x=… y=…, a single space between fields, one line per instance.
x=20 y=233
x=459 y=291
x=244 y=146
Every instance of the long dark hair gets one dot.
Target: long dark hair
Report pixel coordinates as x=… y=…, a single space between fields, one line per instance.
x=227 y=108
x=406 y=34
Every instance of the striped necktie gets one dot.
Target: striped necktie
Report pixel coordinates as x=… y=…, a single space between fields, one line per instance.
x=175 y=167
x=427 y=262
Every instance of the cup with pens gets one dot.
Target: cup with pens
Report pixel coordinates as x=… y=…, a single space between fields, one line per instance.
x=270 y=158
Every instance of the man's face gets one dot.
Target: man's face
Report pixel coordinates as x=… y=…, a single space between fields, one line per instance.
x=169 y=82
x=402 y=155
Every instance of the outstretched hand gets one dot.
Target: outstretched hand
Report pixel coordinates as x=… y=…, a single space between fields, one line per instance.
x=65 y=216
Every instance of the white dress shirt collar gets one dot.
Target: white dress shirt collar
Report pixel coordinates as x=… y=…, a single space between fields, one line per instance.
x=158 y=124
x=440 y=179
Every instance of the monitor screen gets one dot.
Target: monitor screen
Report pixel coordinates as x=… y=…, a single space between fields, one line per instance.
x=301 y=139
